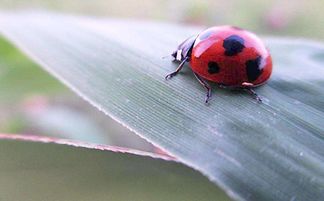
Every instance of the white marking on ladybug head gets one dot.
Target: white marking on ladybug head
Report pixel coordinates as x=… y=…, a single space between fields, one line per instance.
x=179 y=55
x=247 y=84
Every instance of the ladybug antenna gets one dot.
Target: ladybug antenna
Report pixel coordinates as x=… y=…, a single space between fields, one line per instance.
x=164 y=57
x=171 y=55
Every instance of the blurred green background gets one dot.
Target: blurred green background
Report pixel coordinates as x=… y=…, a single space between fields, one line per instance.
x=274 y=17
x=32 y=102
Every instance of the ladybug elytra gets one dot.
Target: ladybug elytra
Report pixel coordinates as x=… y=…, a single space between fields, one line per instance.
x=227 y=55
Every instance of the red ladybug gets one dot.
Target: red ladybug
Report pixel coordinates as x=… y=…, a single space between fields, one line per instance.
x=230 y=56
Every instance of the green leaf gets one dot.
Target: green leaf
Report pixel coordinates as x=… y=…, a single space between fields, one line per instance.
x=19 y=77
x=36 y=171
x=269 y=151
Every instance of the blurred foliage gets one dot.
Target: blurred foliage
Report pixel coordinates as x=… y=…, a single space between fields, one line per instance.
x=52 y=172
x=274 y=17
x=20 y=77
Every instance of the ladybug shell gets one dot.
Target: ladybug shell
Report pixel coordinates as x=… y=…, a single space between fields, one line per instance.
x=231 y=56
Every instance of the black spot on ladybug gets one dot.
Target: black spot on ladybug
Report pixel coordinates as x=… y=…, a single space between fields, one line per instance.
x=205 y=34
x=233 y=45
x=253 y=68
x=213 y=67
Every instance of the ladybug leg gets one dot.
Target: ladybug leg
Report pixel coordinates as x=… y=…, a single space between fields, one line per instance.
x=206 y=85
x=248 y=87
x=168 y=76
x=253 y=93
x=222 y=86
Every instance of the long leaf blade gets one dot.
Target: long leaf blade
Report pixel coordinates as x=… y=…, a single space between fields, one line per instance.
x=33 y=171
x=269 y=151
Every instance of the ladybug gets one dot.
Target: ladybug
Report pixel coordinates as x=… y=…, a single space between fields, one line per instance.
x=229 y=56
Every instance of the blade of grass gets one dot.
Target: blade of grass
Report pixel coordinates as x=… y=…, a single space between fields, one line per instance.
x=269 y=151
x=33 y=171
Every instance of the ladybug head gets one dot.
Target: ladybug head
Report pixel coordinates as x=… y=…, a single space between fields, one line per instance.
x=184 y=49
x=174 y=54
